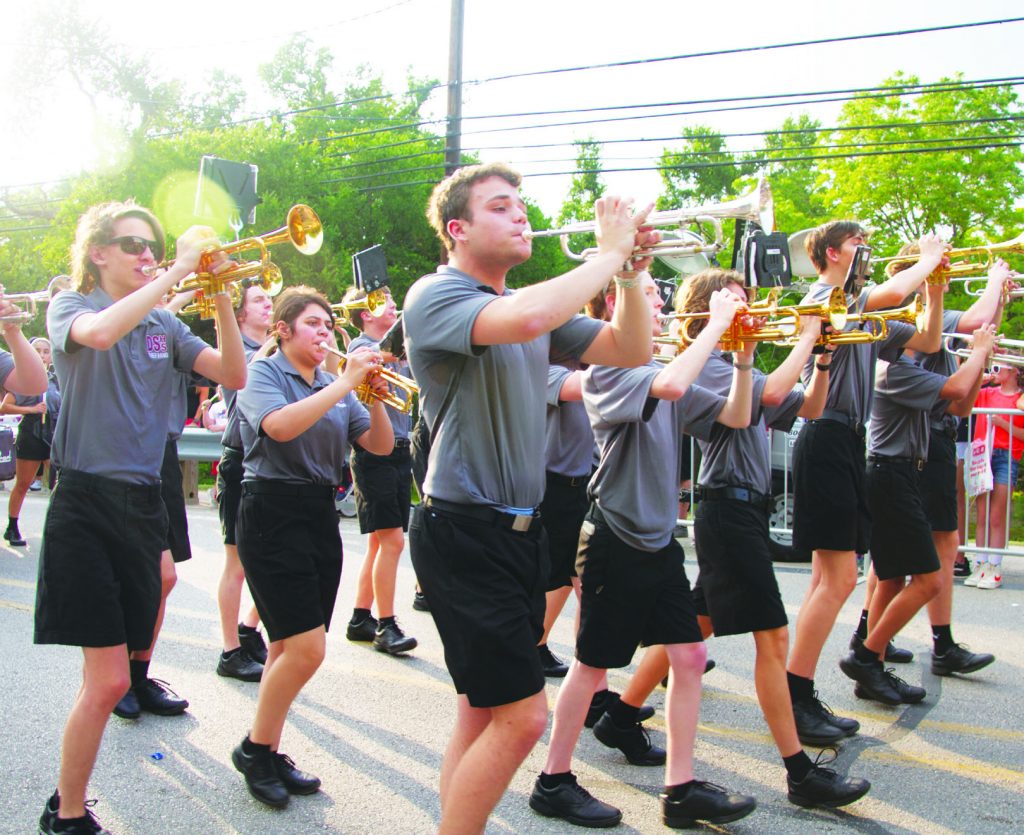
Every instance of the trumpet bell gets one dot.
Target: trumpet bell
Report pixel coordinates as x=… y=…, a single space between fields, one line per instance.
x=800 y=264
x=305 y=230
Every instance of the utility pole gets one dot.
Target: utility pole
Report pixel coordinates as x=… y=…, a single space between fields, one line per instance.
x=453 y=138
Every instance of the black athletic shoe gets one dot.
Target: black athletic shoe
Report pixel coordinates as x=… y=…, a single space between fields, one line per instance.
x=297 y=782
x=155 y=696
x=128 y=707
x=550 y=664
x=85 y=825
x=812 y=725
x=239 y=665
x=14 y=537
x=962 y=569
x=847 y=725
x=874 y=682
x=824 y=787
x=959 y=659
x=634 y=742
x=253 y=644
x=364 y=630
x=705 y=802
x=419 y=602
x=391 y=639
x=572 y=802
x=893 y=654
x=604 y=700
x=261 y=777
x=910 y=694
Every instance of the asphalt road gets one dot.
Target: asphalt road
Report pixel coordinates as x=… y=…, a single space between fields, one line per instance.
x=374 y=727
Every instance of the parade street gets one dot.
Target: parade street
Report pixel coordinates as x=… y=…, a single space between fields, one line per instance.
x=374 y=727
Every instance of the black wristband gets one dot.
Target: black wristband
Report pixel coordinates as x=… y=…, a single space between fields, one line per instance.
x=821 y=366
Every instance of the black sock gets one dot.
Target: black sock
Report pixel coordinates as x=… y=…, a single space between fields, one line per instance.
x=865 y=655
x=359 y=615
x=246 y=630
x=798 y=766
x=550 y=781
x=139 y=671
x=12 y=523
x=252 y=748
x=800 y=688
x=624 y=716
x=862 y=627
x=70 y=824
x=386 y=621
x=942 y=636
x=678 y=792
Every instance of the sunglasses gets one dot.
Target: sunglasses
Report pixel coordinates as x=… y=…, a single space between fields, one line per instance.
x=134 y=245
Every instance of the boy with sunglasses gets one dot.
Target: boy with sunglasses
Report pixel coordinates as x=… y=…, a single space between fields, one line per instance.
x=99 y=570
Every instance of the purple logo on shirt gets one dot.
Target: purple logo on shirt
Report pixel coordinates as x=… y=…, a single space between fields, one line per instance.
x=156 y=345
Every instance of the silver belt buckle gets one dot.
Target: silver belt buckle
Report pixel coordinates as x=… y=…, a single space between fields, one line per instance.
x=521 y=524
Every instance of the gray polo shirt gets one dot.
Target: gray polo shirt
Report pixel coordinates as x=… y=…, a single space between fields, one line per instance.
x=231 y=437
x=742 y=457
x=904 y=394
x=317 y=456
x=113 y=417
x=401 y=423
x=944 y=363
x=569 y=445
x=640 y=439
x=489 y=448
x=851 y=379
x=6 y=364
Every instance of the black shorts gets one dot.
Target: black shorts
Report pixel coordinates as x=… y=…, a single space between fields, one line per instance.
x=486 y=590
x=830 y=506
x=173 y=493
x=564 y=506
x=290 y=548
x=383 y=488
x=737 y=581
x=938 y=484
x=901 y=538
x=30 y=445
x=630 y=598
x=229 y=491
x=99 y=568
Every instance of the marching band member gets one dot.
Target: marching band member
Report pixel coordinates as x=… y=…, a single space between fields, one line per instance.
x=830 y=514
x=634 y=586
x=99 y=570
x=295 y=422
x=480 y=354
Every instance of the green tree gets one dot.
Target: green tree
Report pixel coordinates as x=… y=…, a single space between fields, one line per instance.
x=702 y=171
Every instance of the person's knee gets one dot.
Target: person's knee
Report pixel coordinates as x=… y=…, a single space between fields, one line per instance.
x=308 y=653
x=104 y=692
x=530 y=721
x=773 y=643
x=928 y=585
x=687 y=659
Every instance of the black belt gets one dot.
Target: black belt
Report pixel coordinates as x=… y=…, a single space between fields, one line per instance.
x=402 y=443
x=568 y=480
x=736 y=494
x=841 y=417
x=268 y=487
x=520 y=523
x=90 y=481
x=915 y=463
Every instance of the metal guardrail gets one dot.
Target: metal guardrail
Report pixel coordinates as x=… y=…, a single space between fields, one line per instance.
x=199 y=445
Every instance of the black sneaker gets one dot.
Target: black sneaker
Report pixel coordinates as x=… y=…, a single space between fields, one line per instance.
x=962 y=569
x=239 y=665
x=634 y=742
x=824 y=787
x=572 y=802
x=705 y=802
x=391 y=639
x=419 y=602
x=364 y=630
x=874 y=681
x=893 y=654
x=128 y=707
x=844 y=723
x=155 y=696
x=959 y=659
x=14 y=537
x=910 y=694
x=253 y=644
x=605 y=700
x=261 y=777
x=297 y=782
x=552 y=666
x=85 y=825
x=812 y=726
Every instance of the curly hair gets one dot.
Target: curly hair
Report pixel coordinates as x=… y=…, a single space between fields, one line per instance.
x=695 y=295
x=96 y=228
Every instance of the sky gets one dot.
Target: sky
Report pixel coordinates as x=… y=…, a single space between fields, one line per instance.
x=399 y=38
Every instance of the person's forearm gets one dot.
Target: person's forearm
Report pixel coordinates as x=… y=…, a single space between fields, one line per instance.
x=736 y=412
x=102 y=330
x=988 y=309
x=628 y=341
x=234 y=367
x=892 y=292
x=782 y=380
x=29 y=374
x=816 y=395
x=379 y=439
x=675 y=378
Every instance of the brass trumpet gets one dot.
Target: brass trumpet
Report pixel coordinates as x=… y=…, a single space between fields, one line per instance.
x=366 y=393
x=755 y=206
x=375 y=302
x=33 y=300
x=302 y=228
x=913 y=313
x=962 y=269
x=783 y=326
x=996 y=357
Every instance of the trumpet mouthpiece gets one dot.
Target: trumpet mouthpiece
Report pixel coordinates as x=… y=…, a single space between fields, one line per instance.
x=151 y=270
x=528 y=234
